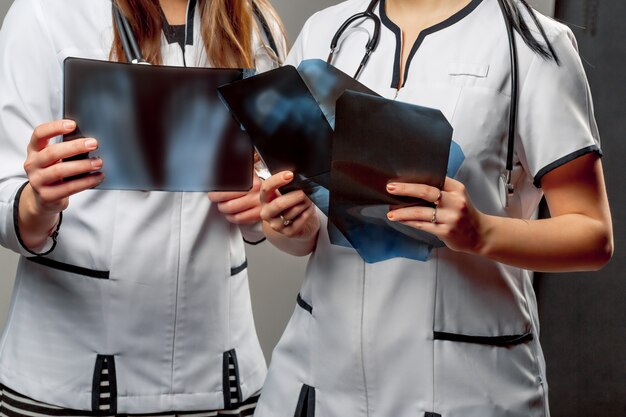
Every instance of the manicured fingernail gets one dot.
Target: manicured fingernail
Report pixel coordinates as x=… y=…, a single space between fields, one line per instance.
x=391 y=187
x=390 y=216
x=96 y=163
x=68 y=124
x=288 y=176
x=91 y=144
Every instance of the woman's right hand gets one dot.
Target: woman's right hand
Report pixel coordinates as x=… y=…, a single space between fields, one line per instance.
x=290 y=220
x=47 y=194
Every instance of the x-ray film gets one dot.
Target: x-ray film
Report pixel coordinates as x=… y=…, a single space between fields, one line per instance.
x=285 y=124
x=327 y=83
x=158 y=127
x=378 y=141
x=289 y=115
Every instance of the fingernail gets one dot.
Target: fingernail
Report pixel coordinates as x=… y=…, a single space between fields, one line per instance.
x=288 y=176
x=68 y=124
x=390 y=216
x=391 y=187
x=91 y=144
x=96 y=163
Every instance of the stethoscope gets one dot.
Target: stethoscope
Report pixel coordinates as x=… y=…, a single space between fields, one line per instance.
x=374 y=40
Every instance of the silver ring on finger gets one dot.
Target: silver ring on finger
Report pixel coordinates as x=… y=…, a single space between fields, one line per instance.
x=434 y=218
x=286 y=222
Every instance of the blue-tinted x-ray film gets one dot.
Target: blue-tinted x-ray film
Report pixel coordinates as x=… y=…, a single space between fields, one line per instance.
x=327 y=83
x=158 y=127
x=287 y=128
x=413 y=145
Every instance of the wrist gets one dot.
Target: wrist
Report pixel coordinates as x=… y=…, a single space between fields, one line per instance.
x=35 y=225
x=485 y=232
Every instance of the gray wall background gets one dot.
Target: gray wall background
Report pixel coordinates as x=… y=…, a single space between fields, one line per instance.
x=275 y=278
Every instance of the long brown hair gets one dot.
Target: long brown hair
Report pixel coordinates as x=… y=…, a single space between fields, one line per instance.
x=227 y=28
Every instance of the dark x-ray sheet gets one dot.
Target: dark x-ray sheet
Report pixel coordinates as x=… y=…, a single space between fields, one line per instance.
x=378 y=141
x=158 y=127
x=289 y=115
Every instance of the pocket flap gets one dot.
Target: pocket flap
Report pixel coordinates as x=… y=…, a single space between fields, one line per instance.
x=469 y=69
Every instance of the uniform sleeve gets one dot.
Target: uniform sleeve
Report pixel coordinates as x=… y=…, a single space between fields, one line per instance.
x=29 y=91
x=556 y=121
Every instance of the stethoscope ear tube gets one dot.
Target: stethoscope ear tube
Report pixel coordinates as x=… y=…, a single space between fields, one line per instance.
x=129 y=42
x=510 y=189
x=122 y=34
x=372 y=44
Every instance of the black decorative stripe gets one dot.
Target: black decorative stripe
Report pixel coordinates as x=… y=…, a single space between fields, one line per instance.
x=306 y=402
x=100 y=404
x=190 y=22
x=16 y=206
x=485 y=340
x=240 y=268
x=231 y=386
x=266 y=28
x=303 y=304
x=254 y=243
x=455 y=18
x=564 y=160
x=61 y=266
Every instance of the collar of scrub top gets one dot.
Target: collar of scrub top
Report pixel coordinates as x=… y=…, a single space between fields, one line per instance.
x=369 y=14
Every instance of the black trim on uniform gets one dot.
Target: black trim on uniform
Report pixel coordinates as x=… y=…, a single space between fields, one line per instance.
x=266 y=28
x=100 y=402
x=233 y=399
x=455 y=18
x=240 y=268
x=485 y=340
x=255 y=243
x=61 y=266
x=303 y=304
x=306 y=402
x=564 y=160
x=190 y=19
x=16 y=206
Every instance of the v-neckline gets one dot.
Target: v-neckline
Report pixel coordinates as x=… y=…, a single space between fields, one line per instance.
x=455 y=18
x=172 y=32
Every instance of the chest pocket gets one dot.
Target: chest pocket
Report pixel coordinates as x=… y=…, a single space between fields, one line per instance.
x=468 y=74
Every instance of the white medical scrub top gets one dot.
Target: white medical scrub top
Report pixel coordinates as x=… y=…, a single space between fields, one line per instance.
x=458 y=334
x=143 y=305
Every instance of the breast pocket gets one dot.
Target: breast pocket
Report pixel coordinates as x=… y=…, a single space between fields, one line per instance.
x=467 y=72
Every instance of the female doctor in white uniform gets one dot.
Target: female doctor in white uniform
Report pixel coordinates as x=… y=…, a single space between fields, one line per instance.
x=132 y=302
x=458 y=334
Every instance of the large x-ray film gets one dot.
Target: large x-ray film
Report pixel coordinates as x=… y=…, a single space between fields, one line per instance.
x=378 y=141
x=158 y=127
x=327 y=83
x=289 y=115
x=285 y=124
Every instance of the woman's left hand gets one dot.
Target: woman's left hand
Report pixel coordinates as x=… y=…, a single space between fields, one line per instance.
x=454 y=219
x=240 y=207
